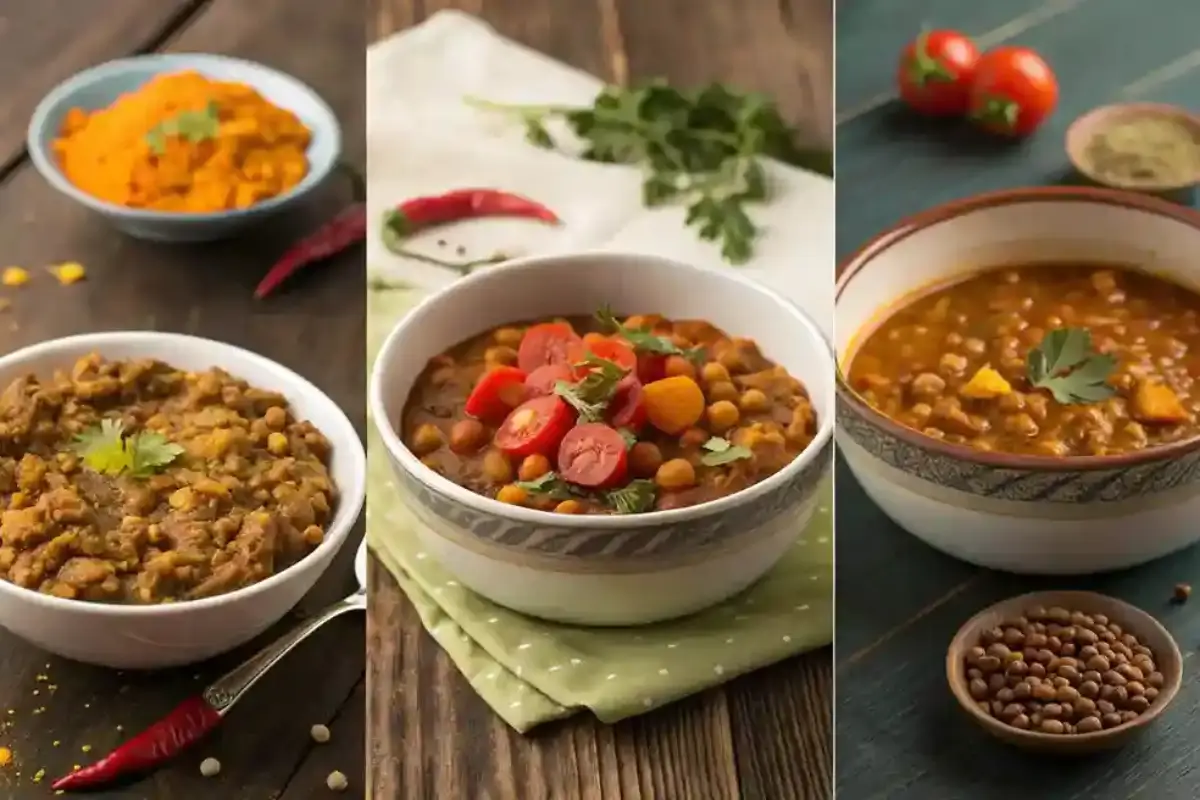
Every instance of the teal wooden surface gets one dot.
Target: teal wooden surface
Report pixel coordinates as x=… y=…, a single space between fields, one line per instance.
x=900 y=735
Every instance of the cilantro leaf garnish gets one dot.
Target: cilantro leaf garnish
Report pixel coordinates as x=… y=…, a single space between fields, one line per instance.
x=192 y=126
x=633 y=498
x=629 y=436
x=107 y=450
x=645 y=340
x=722 y=451
x=1065 y=365
x=551 y=486
x=590 y=396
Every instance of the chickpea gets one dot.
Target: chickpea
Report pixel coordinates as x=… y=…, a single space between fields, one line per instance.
x=693 y=437
x=533 y=467
x=276 y=418
x=678 y=473
x=466 y=436
x=754 y=401
x=496 y=467
x=425 y=439
x=712 y=372
x=512 y=494
x=722 y=415
x=644 y=459
x=722 y=390
x=277 y=443
x=509 y=337
x=569 y=507
x=500 y=355
x=678 y=365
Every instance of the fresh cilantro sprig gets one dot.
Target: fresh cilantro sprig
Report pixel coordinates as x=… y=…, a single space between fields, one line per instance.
x=700 y=148
x=1065 y=365
x=590 y=396
x=633 y=498
x=192 y=126
x=107 y=450
x=645 y=340
x=550 y=485
x=720 y=451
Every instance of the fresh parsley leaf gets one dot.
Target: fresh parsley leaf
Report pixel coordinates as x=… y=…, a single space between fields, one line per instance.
x=629 y=436
x=635 y=497
x=551 y=486
x=590 y=396
x=722 y=451
x=192 y=126
x=645 y=340
x=1065 y=365
x=107 y=450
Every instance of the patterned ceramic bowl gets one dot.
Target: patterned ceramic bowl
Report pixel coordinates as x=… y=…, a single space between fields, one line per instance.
x=606 y=570
x=1020 y=513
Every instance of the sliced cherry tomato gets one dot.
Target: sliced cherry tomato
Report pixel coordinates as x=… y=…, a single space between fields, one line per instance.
x=593 y=455
x=546 y=343
x=499 y=391
x=626 y=409
x=541 y=381
x=535 y=426
x=651 y=367
x=936 y=71
x=613 y=350
x=1014 y=91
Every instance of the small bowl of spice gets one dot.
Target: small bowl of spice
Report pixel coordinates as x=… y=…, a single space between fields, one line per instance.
x=1152 y=148
x=1064 y=672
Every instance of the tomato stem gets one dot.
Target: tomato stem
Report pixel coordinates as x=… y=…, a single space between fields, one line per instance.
x=925 y=68
x=999 y=111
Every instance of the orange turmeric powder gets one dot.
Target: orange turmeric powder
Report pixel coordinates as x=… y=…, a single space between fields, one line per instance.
x=133 y=154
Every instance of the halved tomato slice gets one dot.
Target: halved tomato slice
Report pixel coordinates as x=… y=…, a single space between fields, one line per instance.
x=593 y=455
x=541 y=381
x=546 y=343
x=612 y=350
x=651 y=367
x=499 y=391
x=626 y=409
x=535 y=426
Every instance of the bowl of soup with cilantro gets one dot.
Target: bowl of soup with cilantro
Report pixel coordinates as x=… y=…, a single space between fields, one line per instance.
x=597 y=439
x=1017 y=377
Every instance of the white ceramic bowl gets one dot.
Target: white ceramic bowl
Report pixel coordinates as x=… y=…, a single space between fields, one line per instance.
x=153 y=636
x=606 y=570
x=1025 y=514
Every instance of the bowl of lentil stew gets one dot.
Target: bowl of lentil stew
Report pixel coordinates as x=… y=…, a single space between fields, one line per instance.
x=1067 y=672
x=1015 y=382
x=167 y=500
x=666 y=499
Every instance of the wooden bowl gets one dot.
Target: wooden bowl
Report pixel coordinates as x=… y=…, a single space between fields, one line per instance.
x=1081 y=131
x=1133 y=620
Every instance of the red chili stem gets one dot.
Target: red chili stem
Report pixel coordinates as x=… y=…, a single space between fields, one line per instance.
x=187 y=724
x=346 y=229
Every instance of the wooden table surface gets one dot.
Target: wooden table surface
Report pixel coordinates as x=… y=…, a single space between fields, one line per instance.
x=899 y=734
x=317 y=329
x=766 y=736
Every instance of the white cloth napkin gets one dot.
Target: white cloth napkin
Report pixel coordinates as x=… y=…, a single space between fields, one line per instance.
x=423 y=139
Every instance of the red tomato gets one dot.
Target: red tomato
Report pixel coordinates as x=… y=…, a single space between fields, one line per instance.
x=593 y=455
x=541 y=381
x=547 y=343
x=935 y=72
x=626 y=409
x=535 y=426
x=612 y=350
x=497 y=392
x=1013 y=92
x=651 y=367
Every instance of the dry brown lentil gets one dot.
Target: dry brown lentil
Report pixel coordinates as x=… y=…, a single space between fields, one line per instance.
x=1182 y=592
x=1062 y=672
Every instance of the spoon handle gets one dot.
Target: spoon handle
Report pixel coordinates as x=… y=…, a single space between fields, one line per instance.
x=230 y=687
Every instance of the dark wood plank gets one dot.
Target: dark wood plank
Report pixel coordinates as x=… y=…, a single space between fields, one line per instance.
x=899 y=734
x=46 y=42
x=316 y=329
x=765 y=736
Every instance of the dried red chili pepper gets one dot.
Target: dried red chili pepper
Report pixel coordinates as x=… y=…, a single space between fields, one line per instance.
x=348 y=228
x=188 y=723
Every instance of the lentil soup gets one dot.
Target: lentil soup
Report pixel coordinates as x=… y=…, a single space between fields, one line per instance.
x=135 y=482
x=1053 y=360
x=600 y=416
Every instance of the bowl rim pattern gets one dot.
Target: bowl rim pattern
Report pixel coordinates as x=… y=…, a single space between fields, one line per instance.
x=879 y=244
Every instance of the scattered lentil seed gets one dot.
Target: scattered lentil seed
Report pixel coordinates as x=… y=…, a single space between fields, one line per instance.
x=337 y=781
x=1062 y=672
x=14 y=276
x=1182 y=592
x=6 y=756
x=319 y=733
x=39 y=775
x=209 y=767
x=68 y=273
x=87 y=748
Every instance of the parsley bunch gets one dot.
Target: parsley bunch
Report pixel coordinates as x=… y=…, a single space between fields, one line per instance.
x=701 y=148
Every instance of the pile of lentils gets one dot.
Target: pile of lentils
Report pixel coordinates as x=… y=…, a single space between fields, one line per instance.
x=1060 y=671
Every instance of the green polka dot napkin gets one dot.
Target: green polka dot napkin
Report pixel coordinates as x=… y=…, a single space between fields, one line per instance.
x=531 y=671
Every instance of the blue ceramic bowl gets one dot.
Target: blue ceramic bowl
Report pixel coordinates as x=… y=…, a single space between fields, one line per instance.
x=101 y=85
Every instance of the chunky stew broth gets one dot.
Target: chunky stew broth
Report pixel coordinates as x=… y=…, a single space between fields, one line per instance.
x=600 y=416
x=955 y=364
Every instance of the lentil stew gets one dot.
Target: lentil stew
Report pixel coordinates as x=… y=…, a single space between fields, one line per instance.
x=1055 y=360
x=601 y=416
x=136 y=482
